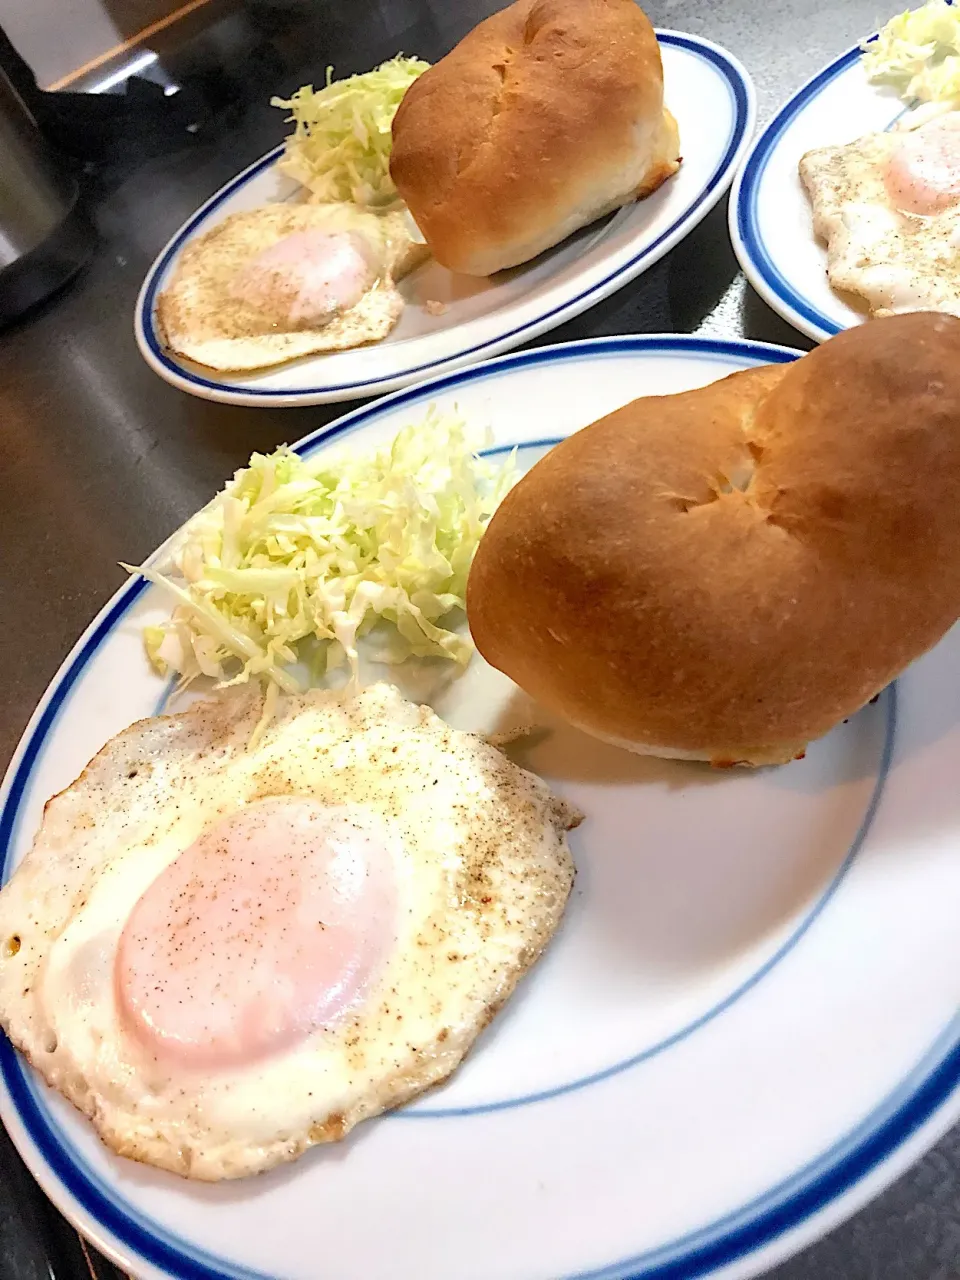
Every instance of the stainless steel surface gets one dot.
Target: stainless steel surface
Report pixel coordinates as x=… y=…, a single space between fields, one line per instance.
x=35 y=196
x=101 y=460
x=37 y=211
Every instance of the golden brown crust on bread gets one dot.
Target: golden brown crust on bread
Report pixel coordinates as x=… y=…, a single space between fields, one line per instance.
x=731 y=571
x=544 y=117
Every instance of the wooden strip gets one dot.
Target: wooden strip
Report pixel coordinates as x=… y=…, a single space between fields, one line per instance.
x=125 y=45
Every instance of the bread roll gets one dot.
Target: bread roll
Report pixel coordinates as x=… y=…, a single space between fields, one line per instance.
x=545 y=117
x=727 y=573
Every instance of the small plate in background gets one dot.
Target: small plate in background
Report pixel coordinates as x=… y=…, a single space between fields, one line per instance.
x=771 y=220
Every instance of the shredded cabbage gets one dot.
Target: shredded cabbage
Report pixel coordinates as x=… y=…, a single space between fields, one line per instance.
x=340 y=148
x=918 y=52
x=296 y=558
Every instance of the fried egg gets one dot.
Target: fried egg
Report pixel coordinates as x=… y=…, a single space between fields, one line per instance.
x=223 y=954
x=888 y=207
x=287 y=280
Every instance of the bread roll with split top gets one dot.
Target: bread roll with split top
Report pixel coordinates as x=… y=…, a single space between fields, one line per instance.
x=546 y=116
x=727 y=573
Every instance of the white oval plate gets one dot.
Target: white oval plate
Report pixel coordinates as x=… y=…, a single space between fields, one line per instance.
x=771 y=223
x=712 y=97
x=746 y=1025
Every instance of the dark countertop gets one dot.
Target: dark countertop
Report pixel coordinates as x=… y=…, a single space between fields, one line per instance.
x=101 y=460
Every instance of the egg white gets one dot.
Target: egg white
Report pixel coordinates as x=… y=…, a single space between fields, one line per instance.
x=895 y=261
x=484 y=873
x=199 y=318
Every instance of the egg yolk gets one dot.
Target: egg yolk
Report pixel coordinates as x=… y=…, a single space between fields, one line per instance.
x=923 y=174
x=269 y=925
x=308 y=277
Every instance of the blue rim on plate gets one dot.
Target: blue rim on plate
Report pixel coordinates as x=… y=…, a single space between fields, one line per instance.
x=789 y=1206
x=748 y=242
x=742 y=95
x=744 y=224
